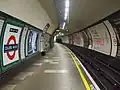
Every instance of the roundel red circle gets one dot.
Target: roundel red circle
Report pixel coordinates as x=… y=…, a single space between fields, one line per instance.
x=9 y=40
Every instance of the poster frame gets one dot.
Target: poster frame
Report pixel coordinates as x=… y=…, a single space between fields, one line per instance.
x=15 y=23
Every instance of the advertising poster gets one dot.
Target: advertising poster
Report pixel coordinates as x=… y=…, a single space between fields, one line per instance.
x=100 y=38
x=32 y=42
x=10 y=44
x=22 y=43
x=78 y=37
x=1 y=25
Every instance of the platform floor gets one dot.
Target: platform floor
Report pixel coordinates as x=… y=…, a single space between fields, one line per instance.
x=55 y=71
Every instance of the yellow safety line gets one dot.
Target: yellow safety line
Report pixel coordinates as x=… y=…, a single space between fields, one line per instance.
x=80 y=72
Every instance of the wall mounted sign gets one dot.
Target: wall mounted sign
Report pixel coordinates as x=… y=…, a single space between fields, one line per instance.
x=100 y=38
x=46 y=28
x=10 y=44
x=11 y=47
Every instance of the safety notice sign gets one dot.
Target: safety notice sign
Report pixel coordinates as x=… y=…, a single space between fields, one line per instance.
x=10 y=44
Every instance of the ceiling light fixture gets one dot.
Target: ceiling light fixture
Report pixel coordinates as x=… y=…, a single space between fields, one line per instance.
x=66 y=9
x=67 y=3
x=63 y=25
x=66 y=14
x=62 y=34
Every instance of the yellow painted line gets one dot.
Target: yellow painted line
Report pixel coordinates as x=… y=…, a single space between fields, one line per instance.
x=80 y=72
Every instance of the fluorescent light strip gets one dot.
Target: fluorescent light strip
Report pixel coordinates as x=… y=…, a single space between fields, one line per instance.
x=66 y=14
x=66 y=9
x=63 y=25
x=67 y=3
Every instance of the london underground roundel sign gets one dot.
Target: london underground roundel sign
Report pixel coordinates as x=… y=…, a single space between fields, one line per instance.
x=13 y=46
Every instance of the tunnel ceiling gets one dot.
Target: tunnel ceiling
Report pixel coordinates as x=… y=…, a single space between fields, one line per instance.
x=82 y=12
x=50 y=8
x=86 y=12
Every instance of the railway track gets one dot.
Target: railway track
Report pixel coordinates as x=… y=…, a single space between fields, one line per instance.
x=104 y=69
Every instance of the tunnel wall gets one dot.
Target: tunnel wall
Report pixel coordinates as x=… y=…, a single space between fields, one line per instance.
x=70 y=38
x=103 y=36
x=19 y=41
x=29 y=11
x=100 y=38
x=46 y=42
x=78 y=39
x=64 y=39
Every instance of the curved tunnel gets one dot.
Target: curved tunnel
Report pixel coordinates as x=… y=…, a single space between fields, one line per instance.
x=25 y=32
x=88 y=48
x=102 y=36
x=97 y=47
